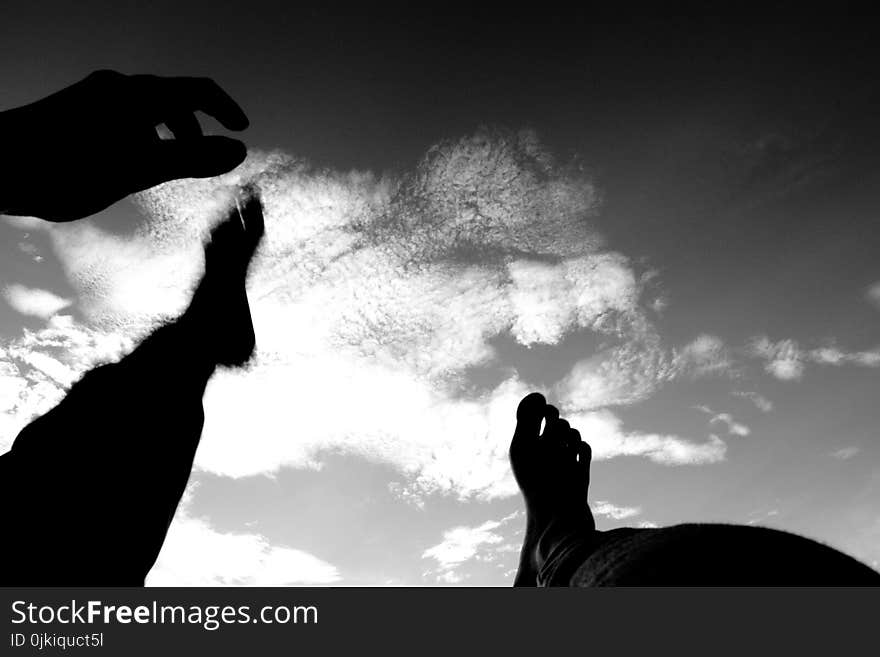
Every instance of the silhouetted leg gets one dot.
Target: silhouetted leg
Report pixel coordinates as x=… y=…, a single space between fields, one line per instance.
x=562 y=547
x=96 y=480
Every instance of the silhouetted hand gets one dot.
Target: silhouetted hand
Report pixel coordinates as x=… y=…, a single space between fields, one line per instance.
x=84 y=148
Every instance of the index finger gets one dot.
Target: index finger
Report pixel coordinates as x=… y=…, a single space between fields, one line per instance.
x=168 y=96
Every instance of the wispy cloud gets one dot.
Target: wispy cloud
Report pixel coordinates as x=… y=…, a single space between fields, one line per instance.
x=34 y=301
x=609 y=510
x=873 y=294
x=761 y=402
x=787 y=360
x=706 y=355
x=733 y=427
x=37 y=368
x=846 y=453
x=463 y=544
x=608 y=440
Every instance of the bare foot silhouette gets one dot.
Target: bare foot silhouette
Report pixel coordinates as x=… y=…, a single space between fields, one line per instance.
x=552 y=469
x=221 y=298
x=561 y=546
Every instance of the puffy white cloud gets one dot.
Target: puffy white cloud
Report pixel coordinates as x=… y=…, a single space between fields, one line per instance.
x=549 y=300
x=34 y=301
x=783 y=359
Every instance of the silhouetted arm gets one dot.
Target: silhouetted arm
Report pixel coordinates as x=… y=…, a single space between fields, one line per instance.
x=85 y=147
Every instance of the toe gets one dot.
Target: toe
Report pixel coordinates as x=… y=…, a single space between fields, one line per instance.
x=551 y=415
x=250 y=210
x=528 y=417
x=556 y=432
x=573 y=439
x=584 y=456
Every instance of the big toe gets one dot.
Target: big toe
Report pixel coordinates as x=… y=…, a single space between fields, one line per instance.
x=529 y=416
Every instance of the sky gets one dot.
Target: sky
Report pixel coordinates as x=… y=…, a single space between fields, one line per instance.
x=668 y=228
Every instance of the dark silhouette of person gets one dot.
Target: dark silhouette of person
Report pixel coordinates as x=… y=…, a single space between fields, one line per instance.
x=90 y=488
x=563 y=548
x=85 y=147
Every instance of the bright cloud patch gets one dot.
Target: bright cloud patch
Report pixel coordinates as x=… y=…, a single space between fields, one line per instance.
x=37 y=369
x=609 y=510
x=33 y=301
x=608 y=440
x=463 y=544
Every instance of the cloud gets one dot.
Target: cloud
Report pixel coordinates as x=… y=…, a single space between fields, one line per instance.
x=726 y=419
x=609 y=510
x=734 y=428
x=706 y=355
x=873 y=294
x=33 y=301
x=603 y=431
x=783 y=359
x=196 y=554
x=37 y=368
x=625 y=374
x=379 y=296
x=549 y=300
x=633 y=371
x=761 y=402
x=463 y=544
x=846 y=453
x=787 y=360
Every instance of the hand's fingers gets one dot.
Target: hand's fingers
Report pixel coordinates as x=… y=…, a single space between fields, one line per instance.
x=168 y=97
x=184 y=126
x=189 y=158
